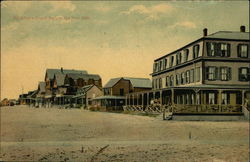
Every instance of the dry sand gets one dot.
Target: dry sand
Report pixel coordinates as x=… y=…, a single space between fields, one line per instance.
x=32 y=134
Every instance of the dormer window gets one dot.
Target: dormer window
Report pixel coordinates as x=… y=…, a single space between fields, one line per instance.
x=178 y=58
x=196 y=49
x=171 y=61
x=185 y=55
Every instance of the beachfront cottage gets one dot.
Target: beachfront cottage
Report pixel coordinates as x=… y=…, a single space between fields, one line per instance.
x=85 y=95
x=116 y=89
x=207 y=76
x=49 y=82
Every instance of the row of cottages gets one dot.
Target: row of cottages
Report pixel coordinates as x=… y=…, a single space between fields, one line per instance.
x=64 y=87
x=207 y=76
x=115 y=91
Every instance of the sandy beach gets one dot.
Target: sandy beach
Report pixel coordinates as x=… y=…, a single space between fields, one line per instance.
x=51 y=134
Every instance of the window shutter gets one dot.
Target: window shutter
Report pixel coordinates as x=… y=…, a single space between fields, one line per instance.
x=217 y=73
x=238 y=50
x=218 y=49
x=208 y=49
x=248 y=74
x=207 y=72
x=229 y=73
x=228 y=50
x=239 y=74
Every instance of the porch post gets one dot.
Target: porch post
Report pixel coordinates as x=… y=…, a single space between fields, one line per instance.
x=172 y=97
x=126 y=97
x=219 y=100
x=243 y=97
x=137 y=95
x=129 y=99
x=86 y=100
x=148 y=102
x=133 y=102
x=161 y=97
x=142 y=97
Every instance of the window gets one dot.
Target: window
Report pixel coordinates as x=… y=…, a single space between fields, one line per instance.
x=164 y=64
x=154 y=67
x=243 y=50
x=178 y=58
x=171 y=61
x=210 y=49
x=167 y=81
x=224 y=50
x=121 y=92
x=244 y=74
x=211 y=73
x=197 y=74
x=211 y=98
x=185 y=55
x=178 y=79
x=225 y=98
x=225 y=73
x=182 y=78
x=160 y=66
x=160 y=83
x=218 y=49
x=191 y=75
x=156 y=80
x=187 y=76
x=171 y=80
x=196 y=51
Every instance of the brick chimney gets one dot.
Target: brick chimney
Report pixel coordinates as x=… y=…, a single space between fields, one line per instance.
x=242 y=28
x=61 y=69
x=205 y=32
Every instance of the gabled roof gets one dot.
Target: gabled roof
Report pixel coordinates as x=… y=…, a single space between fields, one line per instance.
x=41 y=86
x=52 y=72
x=136 y=82
x=60 y=78
x=229 y=35
x=84 y=76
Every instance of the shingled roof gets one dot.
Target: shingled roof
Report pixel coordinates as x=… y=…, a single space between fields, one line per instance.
x=229 y=35
x=136 y=82
x=51 y=72
x=84 y=76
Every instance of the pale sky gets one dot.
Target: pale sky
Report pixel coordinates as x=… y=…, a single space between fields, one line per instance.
x=112 y=39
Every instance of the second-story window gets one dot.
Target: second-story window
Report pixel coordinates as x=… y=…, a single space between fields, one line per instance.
x=225 y=73
x=196 y=49
x=183 y=78
x=244 y=74
x=178 y=79
x=171 y=80
x=191 y=75
x=187 y=76
x=167 y=82
x=197 y=74
x=218 y=49
x=211 y=73
x=243 y=50
x=160 y=83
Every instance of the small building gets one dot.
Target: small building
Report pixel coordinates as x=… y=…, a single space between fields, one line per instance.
x=85 y=95
x=116 y=89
